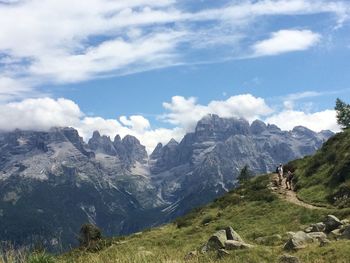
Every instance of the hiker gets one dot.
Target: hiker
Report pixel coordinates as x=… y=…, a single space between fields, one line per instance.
x=289 y=179
x=279 y=171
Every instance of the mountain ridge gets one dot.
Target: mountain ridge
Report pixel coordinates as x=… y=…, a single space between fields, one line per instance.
x=118 y=186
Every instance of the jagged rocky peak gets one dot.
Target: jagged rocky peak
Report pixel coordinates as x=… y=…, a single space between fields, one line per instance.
x=172 y=143
x=212 y=127
x=258 y=127
x=157 y=151
x=134 y=149
x=101 y=144
x=303 y=131
x=273 y=128
x=117 y=139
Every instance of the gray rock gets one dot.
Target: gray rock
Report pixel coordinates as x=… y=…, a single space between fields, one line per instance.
x=318 y=227
x=217 y=240
x=235 y=245
x=288 y=259
x=298 y=241
x=318 y=236
x=331 y=222
x=232 y=235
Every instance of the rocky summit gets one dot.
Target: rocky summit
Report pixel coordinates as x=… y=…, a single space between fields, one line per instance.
x=51 y=182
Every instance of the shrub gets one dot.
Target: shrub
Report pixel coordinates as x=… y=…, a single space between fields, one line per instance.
x=89 y=233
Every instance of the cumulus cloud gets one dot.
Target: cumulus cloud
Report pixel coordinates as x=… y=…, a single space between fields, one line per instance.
x=45 y=113
x=318 y=121
x=186 y=112
x=284 y=41
x=95 y=38
x=39 y=114
x=183 y=113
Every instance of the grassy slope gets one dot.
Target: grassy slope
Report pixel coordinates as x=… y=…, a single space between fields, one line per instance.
x=326 y=175
x=252 y=210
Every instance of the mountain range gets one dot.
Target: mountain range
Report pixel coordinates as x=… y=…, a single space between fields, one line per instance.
x=51 y=182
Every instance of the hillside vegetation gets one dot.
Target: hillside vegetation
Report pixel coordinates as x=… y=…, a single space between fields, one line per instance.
x=324 y=178
x=252 y=210
x=255 y=210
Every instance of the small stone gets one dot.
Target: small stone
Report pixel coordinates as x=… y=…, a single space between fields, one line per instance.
x=288 y=259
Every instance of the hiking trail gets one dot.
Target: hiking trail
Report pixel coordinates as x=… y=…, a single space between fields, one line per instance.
x=289 y=195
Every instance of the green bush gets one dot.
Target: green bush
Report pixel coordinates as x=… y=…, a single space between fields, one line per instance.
x=88 y=234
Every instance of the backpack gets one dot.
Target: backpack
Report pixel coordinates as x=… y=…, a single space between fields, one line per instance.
x=277 y=170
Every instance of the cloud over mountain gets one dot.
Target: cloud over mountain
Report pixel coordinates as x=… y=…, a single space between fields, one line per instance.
x=183 y=113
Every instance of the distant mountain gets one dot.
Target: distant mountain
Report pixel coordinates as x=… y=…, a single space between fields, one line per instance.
x=52 y=182
x=206 y=163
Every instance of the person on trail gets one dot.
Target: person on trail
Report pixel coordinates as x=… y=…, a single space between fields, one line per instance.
x=279 y=171
x=289 y=180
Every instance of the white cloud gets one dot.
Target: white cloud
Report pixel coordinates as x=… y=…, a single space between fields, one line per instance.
x=318 y=121
x=91 y=38
x=186 y=112
x=39 y=114
x=183 y=113
x=284 y=41
x=44 y=113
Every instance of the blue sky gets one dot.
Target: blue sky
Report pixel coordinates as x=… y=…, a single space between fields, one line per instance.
x=153 y=68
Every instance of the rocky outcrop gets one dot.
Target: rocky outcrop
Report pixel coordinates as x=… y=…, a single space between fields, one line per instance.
x=319 y=233
x=227 y=239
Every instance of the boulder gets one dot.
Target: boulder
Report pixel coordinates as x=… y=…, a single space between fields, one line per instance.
x=235 y=245
x=331 y=222
x=222 y=253
x=232 y=235
x=318 y=227
x=288 y=259
x=298 y=241
x=217 y=241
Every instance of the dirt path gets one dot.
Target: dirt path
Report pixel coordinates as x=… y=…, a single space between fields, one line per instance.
x=288 y=195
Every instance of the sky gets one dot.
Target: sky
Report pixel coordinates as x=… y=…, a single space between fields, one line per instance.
x=153 y=68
